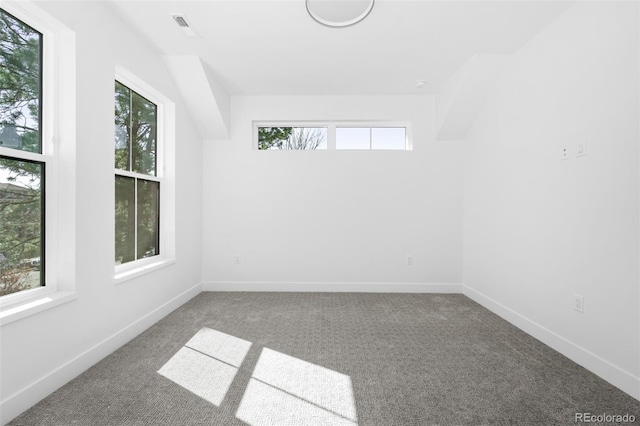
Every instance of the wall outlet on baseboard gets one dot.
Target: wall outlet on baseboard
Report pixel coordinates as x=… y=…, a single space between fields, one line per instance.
x=578 y=303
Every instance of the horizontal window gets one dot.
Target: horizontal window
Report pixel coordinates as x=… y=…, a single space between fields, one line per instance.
x=331 y=136
x=390 y=138
x=292 y=138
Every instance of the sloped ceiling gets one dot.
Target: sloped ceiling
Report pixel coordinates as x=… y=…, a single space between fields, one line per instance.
x=207 y=101
x=268 y=47
x=274 y=47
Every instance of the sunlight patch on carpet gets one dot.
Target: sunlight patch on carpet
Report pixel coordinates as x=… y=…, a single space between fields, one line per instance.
x=207 y=364
x=285 y=390
x=221 y=346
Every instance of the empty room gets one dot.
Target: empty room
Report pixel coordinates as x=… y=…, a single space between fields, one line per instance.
x=319 y=212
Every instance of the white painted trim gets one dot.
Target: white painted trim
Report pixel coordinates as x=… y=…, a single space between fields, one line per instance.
x=139 y=269
x=33 y=306
x=14 y=405
x=613 y=374
x=331 y=287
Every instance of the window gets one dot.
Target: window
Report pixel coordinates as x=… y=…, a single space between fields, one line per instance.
x=137 y=184
x=144 y=184
x=292 y=138
x=37 y=108
x=383 y=138
x=23 y=157
x=331 y=136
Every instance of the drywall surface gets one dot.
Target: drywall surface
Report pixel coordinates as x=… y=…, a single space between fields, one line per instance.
x=539 y=229
x=41 y=351
x=331 y=216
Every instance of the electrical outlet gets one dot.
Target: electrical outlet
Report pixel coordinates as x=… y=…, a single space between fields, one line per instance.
x=564 y=153
x=237 y=259
x=578 y=303
x=409 y=260
x=581 y=149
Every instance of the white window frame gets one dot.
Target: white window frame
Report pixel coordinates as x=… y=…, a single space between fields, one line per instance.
x=58 y=58
x=165 y=175
x=331 y=126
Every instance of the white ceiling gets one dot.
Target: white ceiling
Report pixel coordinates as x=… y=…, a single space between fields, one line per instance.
x=274 y=47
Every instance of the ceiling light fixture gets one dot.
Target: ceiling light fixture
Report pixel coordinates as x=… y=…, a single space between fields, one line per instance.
x=420 y=84
x=339 y=13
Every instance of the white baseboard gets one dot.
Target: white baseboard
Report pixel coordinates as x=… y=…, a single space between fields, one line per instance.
x=618 y=377
x=17 y=403
x=331 y=287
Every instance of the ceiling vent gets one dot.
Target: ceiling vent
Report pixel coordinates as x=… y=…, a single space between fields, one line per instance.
x=181 y=21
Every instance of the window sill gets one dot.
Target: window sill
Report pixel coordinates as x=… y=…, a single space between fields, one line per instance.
x=129 y=274
x=35 y=306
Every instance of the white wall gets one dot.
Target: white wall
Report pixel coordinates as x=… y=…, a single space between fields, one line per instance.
x=332 y=220
x=41 y=352
x=538 y=229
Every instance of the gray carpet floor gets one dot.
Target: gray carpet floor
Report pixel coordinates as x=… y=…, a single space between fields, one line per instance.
x=331 y=358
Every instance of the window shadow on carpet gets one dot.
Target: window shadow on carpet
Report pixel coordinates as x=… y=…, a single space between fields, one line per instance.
x=207 y=364
x=283 y=390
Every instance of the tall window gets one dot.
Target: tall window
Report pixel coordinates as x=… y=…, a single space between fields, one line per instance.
x=22 y=159
x=137 y=184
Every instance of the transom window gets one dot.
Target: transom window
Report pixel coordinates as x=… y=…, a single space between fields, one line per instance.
x=137 y=181
x=292 y=138
x=391 y=138
x=334 y=135
x=23 y=161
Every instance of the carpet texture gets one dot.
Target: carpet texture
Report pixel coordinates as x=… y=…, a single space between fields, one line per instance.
x=331 y=359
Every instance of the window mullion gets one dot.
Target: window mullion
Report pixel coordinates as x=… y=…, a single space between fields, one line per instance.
x=23 y=155
x=370 y=138
x=136 y=175
x=331 y=136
